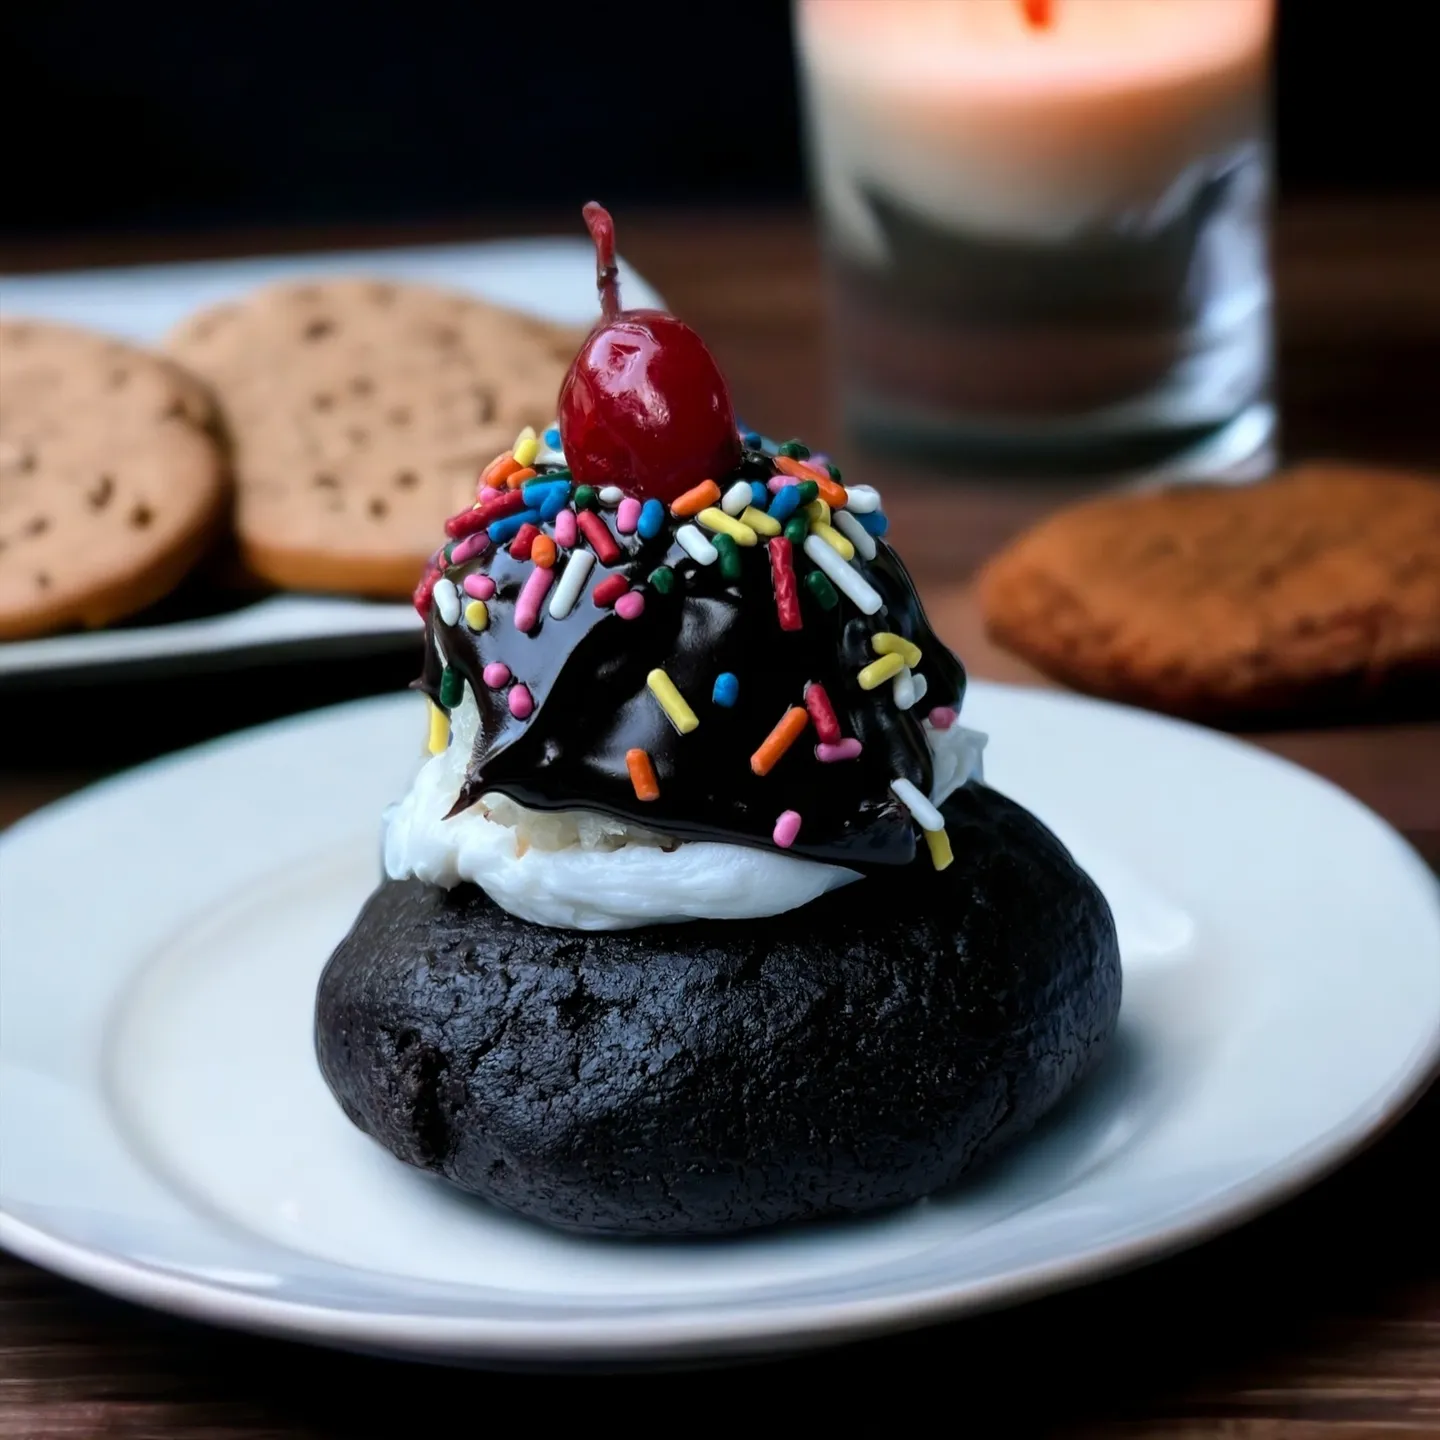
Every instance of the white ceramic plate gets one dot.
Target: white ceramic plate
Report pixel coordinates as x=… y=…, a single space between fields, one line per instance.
x=554 y=279
x=166 y=1135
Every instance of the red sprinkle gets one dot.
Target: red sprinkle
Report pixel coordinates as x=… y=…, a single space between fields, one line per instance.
x=424 y=590
x=597 y=532
x=467 y=522
x=499 y=504
x=609 y=590
x=782 y=577
x=524 y=538
x=822 y=713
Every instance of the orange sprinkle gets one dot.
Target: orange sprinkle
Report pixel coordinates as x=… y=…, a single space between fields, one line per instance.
x=642 y=775
x=493 y=475
x=831 y=492
x=780 y=739
x=692 y=502
x=517 y=478
x=542 y=551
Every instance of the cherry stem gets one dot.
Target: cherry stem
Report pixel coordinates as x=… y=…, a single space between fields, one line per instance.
x=607 y=273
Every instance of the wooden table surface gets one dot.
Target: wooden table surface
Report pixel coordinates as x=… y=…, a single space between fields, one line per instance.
x=1320 y=1320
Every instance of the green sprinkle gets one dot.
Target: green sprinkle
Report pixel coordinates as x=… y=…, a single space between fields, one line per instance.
x=452 y=688
x=663 y=579
x=797 y=527
x=584 y=497
x=809 y=491
x=795 y=450
x=834 y=472
x=561 y=474
x=450 y=552
x=818 y=584
x=730 y=566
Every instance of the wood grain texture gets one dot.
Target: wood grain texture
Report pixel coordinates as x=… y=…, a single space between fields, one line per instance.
x=1319 y=1322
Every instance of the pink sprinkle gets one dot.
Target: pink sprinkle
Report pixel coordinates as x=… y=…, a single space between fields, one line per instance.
x=469 y=548
x=627 y=517
x=846 y=749
x=778 y=482
x=527 y=607
x=521 y=701
x=496 y=674
x=565 y=534
x=478 y=587
x=787 y=827
x=630 y=606
x=942 y=717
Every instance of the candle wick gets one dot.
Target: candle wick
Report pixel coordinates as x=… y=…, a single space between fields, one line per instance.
x=1039 y=14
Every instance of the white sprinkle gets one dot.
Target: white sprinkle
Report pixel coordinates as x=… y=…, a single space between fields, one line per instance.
x=855 y=533
x=862 y=499
x=546 y=456
x=737 y=497
x=696 y=546
x=856 y=587
x=902 y=687
x=610 y=495
x=447 y=600
x=921 y=685
x=571 y=584
x=926 y=816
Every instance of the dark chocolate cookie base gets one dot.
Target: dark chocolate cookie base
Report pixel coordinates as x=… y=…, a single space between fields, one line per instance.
x=706 y=1078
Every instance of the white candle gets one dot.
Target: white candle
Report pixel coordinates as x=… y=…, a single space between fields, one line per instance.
x=1108 y=115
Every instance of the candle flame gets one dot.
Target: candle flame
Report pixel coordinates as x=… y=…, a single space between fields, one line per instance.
x=1039 y=14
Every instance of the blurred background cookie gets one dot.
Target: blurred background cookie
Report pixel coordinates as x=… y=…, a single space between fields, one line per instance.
x=1316 y=594
x=360 y=413
x=112 y=479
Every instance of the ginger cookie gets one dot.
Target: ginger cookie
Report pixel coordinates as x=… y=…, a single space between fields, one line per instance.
x=360 y=413
x=1314 y=594
x=112 y=479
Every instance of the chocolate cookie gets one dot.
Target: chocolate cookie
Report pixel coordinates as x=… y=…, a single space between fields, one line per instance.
x=1315 y=594
x=708 y=1077
x=112 y=479
x=361 y=412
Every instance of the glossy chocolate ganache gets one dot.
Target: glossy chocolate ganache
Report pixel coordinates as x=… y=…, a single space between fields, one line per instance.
x=648 y=604
x=685 y=626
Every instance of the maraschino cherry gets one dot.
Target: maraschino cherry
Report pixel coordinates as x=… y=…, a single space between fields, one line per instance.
x=644 y=406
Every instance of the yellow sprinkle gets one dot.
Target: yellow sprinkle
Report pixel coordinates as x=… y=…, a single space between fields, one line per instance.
x=759 y=521
x=526 y=446
x=819 y=512
x=833 y=538
x=672 y=702
x=879 y=671
x=940 y=852
x=717 y=520
x=477 y=617
x=887 y=643
x=439 y=729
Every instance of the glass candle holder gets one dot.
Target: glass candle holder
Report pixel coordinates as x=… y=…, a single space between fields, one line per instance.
x=1045 y=224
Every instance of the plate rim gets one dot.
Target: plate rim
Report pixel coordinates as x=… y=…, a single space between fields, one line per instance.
x=746 y=1327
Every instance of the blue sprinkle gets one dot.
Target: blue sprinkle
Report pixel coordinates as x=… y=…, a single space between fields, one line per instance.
x=509 y=527
x=727 y=689
x=554 y=503
x=552 y=437
x=754 y=440
x=785 y=503
x=537 y=492
x=652 y=517
x=759 y=494
x=874 y=523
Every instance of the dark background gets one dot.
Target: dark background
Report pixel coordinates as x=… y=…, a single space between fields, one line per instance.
x=145 y=116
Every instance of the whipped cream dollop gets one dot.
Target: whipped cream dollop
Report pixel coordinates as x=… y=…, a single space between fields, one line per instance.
x=581 y=870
